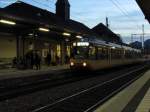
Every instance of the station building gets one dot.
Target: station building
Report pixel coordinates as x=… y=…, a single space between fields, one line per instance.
x=106 y=34
x=25 y=28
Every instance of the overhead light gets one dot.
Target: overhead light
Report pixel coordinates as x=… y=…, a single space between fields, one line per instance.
x=113 y=47
x=71 y=63
x=7 y=22
x=67 y=34
x=79 y=37
x=74 y=44
x=30 y=34
x=44 y=29
x=67 y=40
x=84 y=64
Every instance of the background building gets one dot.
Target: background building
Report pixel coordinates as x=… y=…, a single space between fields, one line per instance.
x=25 y=28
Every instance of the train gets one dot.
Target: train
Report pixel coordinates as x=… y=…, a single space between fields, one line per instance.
x=97 y=54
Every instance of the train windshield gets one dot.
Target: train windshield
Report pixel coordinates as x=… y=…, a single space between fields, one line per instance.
x=80 y=52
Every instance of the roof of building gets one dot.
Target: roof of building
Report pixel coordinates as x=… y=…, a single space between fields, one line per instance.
x=145 y=7
x=30 y=17
x=106 y=34
x=24 y=12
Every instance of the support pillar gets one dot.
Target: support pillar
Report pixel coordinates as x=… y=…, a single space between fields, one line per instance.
x=20 y=46
x=63 y=52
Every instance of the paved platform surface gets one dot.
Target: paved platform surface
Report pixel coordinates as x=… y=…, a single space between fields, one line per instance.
x=144 y=106
x=129 y=99
x=14 y=73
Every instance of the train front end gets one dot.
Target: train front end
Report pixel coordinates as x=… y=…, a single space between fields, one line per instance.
x=79 y=56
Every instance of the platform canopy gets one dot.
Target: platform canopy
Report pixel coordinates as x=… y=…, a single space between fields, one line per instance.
x=145 y=7
x=28 y=18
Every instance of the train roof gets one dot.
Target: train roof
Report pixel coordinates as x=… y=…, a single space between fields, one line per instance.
x=99 y=42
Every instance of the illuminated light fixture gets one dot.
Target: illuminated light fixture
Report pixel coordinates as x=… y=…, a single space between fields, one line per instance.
x=44 y=29
x=67 y=40
x=7 y=22
x=83 y=44
x=74 y=44
x=72 y=63
x=84 y=64
x=30 y=34
x=67 y=34
x=113 y=47
x=79 y=37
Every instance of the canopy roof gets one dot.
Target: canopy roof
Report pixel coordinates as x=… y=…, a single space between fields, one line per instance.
x=29 y=17
x=145 y=7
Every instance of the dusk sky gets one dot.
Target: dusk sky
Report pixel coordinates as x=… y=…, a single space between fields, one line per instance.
x=125 y=17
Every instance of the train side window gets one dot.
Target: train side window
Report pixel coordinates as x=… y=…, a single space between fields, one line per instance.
x=99 y=53
x=92 y=53
x=105 y=53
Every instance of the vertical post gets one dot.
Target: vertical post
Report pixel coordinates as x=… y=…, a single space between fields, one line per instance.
x=141 y=39
x=131 y=39
x=17 y=47
x=63 y=52
x=23 y=46
x=107 y=22
x=34 y=41
x=143 y=32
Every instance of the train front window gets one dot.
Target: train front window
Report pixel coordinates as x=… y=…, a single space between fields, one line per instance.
x=80 y=52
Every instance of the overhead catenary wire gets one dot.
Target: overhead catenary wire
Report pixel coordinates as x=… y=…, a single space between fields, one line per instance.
x=49 y=6
x=124 y=12
x=116 y=3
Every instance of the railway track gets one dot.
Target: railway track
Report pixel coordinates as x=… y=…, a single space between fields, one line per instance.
x=11 y=91
x=87 y=100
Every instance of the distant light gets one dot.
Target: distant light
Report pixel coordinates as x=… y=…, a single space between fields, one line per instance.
x=72 y=63
x=74 y=44
x=82 y=39
x=67 y=34
x=30 y=34
x=79 y=37
x=113 y=47
x=7 y=22
x=44 y=29
x=67 y=40
x=84 y=64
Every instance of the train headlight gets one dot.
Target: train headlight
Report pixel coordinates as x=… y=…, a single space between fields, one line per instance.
x=84 y=64
x=72 y=63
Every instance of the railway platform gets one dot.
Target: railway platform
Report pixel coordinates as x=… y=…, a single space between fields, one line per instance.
x=134 y=98
x=15 y=73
